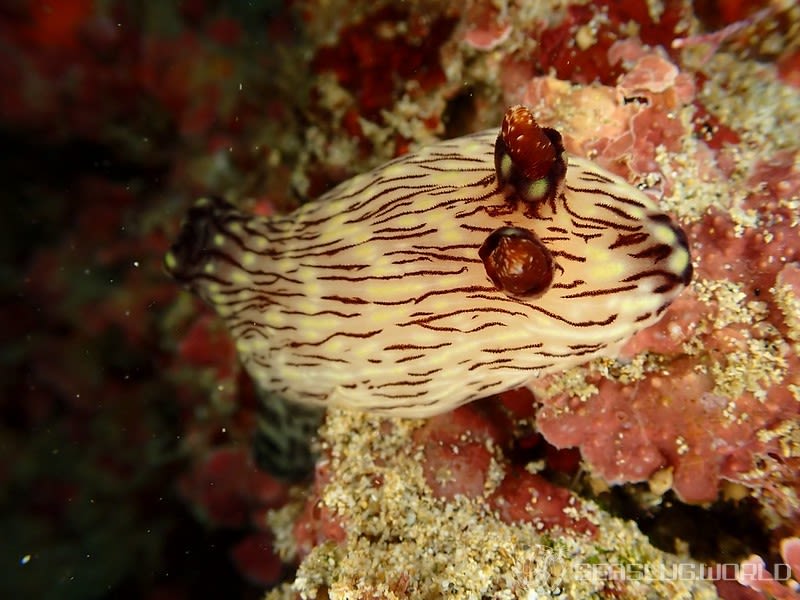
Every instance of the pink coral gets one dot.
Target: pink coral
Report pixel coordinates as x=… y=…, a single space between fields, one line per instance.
x=676 y=419
x=622 y=127
x=375 y=67
x=317 y=523
x=485 y=28
x=679 y=418
x=754 y=574
x=456 y=449
x=524 y=497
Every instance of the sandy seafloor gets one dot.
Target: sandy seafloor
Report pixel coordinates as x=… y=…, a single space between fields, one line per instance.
x=127 y=421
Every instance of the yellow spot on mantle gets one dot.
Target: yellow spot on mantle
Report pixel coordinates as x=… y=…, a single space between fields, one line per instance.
x=664 y=234
x=605 y=266
x=678 y=261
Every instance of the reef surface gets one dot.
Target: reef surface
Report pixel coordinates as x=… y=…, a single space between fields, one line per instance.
x=127 y=420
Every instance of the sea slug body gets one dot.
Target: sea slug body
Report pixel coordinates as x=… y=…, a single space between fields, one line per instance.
x=462 y=270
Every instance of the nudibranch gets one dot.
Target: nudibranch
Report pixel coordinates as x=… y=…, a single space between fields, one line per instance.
x=462 y=270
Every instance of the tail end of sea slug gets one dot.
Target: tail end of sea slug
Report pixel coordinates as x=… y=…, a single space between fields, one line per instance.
x=194 y=250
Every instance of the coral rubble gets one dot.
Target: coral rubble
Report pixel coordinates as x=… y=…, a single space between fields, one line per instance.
x=414 y=509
